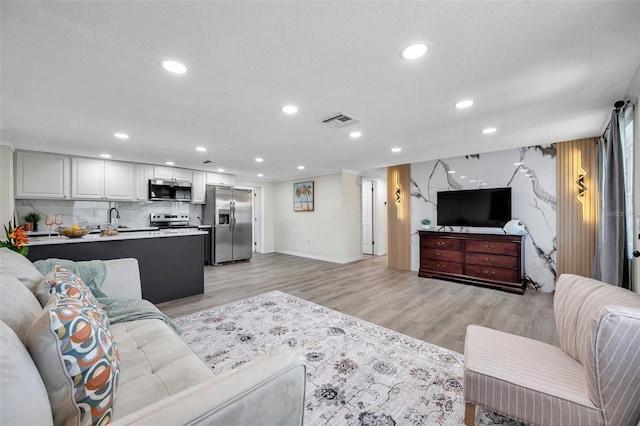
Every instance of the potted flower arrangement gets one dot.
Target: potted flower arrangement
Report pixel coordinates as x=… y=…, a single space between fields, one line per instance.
x=31 y=221
x=17 y=239
x=426 y=224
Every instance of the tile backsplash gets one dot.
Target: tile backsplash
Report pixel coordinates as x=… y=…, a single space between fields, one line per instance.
x=93 y=213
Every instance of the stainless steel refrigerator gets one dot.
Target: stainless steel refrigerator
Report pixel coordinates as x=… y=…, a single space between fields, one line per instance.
x=229 y=211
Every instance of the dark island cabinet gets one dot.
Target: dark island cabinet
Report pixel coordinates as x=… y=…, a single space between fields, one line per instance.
x=488 y=260
x=170 y=267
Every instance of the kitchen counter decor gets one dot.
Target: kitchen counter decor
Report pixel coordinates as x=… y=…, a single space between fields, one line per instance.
x=73 y=232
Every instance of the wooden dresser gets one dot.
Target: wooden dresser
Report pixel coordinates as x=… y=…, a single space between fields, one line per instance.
x=489 y=260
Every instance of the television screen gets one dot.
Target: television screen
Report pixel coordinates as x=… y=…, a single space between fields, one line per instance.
x=475 y=207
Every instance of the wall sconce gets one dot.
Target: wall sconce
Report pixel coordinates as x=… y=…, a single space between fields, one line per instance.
x=398 y=193
x=582 y=188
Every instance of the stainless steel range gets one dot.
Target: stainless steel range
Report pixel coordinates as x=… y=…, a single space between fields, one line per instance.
x=170 y=220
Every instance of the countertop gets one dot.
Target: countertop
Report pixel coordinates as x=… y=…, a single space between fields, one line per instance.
x=128 y=235
x=45 y=233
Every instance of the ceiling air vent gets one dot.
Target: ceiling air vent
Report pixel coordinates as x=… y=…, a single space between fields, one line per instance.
x=339 y=120
x=208 y=162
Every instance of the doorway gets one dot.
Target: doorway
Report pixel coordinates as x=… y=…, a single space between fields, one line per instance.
x=368 y=212
x=374 y=216
x=258 y=220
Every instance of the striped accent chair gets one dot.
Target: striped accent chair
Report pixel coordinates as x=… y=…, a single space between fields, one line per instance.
x=593 y=378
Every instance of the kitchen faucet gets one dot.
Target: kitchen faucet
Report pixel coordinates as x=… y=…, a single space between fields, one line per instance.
x=110 y=214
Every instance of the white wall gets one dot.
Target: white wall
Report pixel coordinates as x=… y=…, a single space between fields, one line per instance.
x=332 y=231
x=268 y=213
x=352 y=216
x=6 y=187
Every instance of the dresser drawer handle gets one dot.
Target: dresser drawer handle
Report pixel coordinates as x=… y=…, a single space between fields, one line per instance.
x=489 y=259
x=487 y=246
x=489 y=273
x=441 y=266
x=441 y=254
x=440 y=244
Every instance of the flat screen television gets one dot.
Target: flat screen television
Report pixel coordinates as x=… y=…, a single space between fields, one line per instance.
x=475 y=207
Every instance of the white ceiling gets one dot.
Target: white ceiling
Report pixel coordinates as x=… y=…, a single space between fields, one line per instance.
x=73 y=73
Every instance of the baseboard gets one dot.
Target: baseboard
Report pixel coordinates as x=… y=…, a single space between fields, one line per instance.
x=324 y=258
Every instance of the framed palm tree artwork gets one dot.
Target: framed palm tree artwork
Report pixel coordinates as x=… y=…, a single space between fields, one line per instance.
x=303 y=197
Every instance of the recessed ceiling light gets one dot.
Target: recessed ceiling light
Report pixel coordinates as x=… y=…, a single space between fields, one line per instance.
x=201 y=148
x=414 y=51
x=355 y=134
x=105 y=155
x=174 y=67
x=473 y=181
x=517 y=164
x=121 y=135
x=300 y=167
x=259 y=160
x=489 y=130
x=260 y=175
x=483 y=183
x=524 y=170
x=221 y=170
x=396 y=149
x=464 y=104
x=170 y=163
x=463 y=177
x=451 y=171
x=290 y=109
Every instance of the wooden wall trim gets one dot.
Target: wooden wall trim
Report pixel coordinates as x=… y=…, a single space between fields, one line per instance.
x=575 y=235
x=399 y=217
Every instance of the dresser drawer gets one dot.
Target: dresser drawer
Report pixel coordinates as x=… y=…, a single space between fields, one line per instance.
x=442 y=243
x=498 y=247
x=441 y=266
x=490 y=259
x=437 y=254
x=487 y=272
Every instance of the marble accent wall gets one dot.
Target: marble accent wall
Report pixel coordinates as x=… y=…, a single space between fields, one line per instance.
x=533 y=199
x=93 y=213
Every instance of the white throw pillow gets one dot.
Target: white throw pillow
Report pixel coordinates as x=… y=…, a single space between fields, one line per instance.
x=23 y=397
x=17 y=265
x=18 y=306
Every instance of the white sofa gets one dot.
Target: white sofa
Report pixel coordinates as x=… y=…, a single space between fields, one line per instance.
x=161 y=381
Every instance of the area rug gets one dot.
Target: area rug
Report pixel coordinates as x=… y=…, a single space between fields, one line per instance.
x=358 y=373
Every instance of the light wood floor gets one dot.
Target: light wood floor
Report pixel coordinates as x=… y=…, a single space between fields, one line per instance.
x=431 y=310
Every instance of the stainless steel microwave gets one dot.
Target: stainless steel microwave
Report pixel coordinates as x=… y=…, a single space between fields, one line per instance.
x=171 y=190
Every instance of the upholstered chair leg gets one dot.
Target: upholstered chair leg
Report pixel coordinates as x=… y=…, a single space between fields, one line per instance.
x=469 y=414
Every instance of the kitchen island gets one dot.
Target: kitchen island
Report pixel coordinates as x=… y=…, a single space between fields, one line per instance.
x=171 y=261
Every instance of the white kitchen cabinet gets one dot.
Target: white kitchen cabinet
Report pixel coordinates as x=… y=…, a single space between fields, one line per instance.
x=42 y=175
x=144 y=172
x=171 y=173
x=87 y=178
x=93 y=179
x=199 y=188
x=118 y=180
x=220 y=179
x=162 y=172
x=182 y=174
